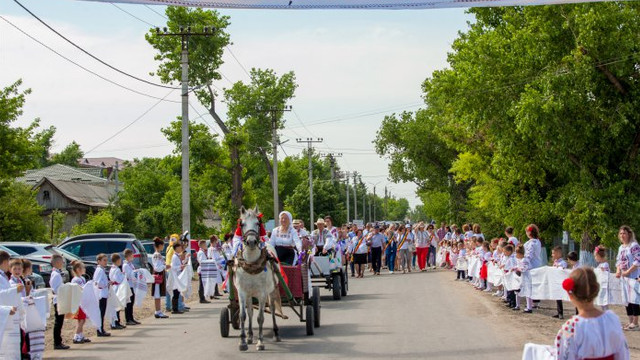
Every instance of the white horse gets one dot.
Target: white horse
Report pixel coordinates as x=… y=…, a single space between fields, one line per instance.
x=254 y=277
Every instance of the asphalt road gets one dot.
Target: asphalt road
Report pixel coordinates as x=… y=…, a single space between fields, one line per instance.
x=412 y=316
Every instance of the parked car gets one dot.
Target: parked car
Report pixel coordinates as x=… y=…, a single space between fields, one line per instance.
x=90 y=266
x=41 y=269
x=37 y=280
x=88 y=246
x=44 y=252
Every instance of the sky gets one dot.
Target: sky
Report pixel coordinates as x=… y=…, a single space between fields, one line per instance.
x=353 y=67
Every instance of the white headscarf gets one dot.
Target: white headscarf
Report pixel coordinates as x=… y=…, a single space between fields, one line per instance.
x=290 y=218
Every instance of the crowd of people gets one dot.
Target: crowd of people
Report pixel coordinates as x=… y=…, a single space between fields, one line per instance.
x=395 y=246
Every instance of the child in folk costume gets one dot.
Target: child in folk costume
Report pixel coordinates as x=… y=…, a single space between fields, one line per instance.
x=176 y=268
x=600 y=255
x=461 y=264
x=523 y=266
x=453 y=257
x=558 y=262
x=102 y=283
x=479 y=253
x=533 y=256
x=498 y=260
x=79 y=270
x=9 y=300
x=488 y=256
x=215 y=253
x=592 y=334
x=511 y=265
x=117 y=277
x=201 y=256
x=159 y=279
x=128 y=269
x=15 y=266
x=508 y=232
x=57 y=262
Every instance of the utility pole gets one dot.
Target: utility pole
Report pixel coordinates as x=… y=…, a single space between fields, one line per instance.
x=386 y=208
x=332 y=163
x=355 y=195
x=310 y=142
x=116 y=178
x=185 y=34
x=274 y=110
x=347 y=178
x=374 y=205
x=364 y=209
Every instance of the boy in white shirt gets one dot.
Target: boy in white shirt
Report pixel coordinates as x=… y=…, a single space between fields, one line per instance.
x=176 y=268
x=102 y=283
x=116 y=276
x=57 y=262
x=201 y=256
x=128 y=269
x=9 y=298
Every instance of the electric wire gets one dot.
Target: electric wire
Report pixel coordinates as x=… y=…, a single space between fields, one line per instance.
x=90 y=54
x=82 y=67
x=130 y=124
x=133 y=16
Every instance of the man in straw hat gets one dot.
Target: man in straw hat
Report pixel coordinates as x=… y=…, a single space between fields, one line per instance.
x=321 y=236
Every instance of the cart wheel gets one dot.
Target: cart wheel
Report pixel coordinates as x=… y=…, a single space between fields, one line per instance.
x=309 y=314
x=335 y=286
x=235 y=318
x=224 y=322
x=316 y=306
x=344 y=286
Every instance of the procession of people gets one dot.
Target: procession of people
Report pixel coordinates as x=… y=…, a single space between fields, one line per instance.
x=504 y=265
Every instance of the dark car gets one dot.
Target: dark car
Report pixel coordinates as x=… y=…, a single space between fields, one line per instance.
x=88 y=246
x=90 y=266
x=42 y=269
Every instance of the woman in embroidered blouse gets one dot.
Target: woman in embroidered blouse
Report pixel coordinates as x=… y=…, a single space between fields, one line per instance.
x=628 y=266
x=285 y=239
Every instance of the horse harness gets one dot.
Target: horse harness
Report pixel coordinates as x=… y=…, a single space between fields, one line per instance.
x=256 y=267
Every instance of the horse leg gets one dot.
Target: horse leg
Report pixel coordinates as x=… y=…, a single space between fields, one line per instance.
x=260 y=345
x=243 y=315
x=272 y=306
x=250 y=315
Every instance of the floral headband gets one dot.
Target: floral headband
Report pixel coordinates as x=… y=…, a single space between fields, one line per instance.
x=530 y=229
x=598 y=249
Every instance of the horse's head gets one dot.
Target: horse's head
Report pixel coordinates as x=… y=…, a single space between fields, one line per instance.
x=250 y=225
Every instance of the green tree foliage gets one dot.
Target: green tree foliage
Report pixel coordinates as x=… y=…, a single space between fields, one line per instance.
x=100 y=222
x=538 y=108
x=20 y=218
x=69 y=155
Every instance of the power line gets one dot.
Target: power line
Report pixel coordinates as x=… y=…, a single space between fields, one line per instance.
x=82 y=67
x=130 y=124
x=90 y=54
x=159 y=14
x=238 y=61
x=133 y=16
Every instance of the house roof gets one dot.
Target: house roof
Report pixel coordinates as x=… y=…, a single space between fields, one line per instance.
x=103 y=162
x=82 y=193
x=62 y=172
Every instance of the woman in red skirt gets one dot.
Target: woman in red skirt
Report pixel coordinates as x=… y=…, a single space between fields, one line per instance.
x=78 y=278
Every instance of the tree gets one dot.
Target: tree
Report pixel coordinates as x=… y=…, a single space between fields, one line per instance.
x=538 y=107
x=20 y=218
x=100 y=222
x=69 y=155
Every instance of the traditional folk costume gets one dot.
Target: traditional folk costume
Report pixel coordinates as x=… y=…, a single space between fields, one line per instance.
x=159 y=279
x=404 y=240
x=80 y=315
x=629 y=255
x=129 y=274
x=9 y=324
x=320 y=239
x=560 y=264
x=511 y=265
x=581 y=338
x=390 y=250
x=286 y=244
x=176 y=267
x=102 y=283
x=117 y=277
x=533 y=255
x=461 y=264
x=54 y=282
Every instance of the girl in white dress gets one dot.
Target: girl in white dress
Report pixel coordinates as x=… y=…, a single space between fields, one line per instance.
x=592 y=334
